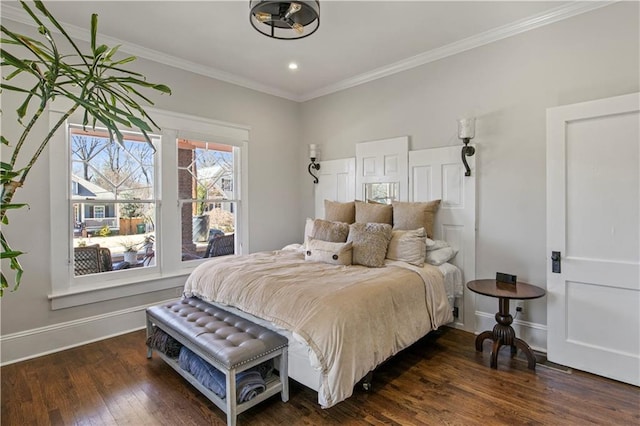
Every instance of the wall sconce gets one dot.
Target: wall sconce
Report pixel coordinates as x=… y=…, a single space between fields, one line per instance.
x=466 y=132
x=313 y=155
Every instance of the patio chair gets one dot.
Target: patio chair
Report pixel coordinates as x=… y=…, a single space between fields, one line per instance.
x=94 y=259
x=220 y=245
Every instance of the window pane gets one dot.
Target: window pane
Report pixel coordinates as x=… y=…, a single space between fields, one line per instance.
x=206 y=189
x=98 y=212
x=198 y=230
x=112 y=202
x=113 y=243
x=385 y=193
x=109 y=170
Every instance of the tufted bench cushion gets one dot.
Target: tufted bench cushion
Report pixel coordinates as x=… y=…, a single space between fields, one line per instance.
x=227 y=342
x=228 y=338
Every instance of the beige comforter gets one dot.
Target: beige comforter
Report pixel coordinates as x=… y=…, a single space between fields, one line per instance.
x=352 y=317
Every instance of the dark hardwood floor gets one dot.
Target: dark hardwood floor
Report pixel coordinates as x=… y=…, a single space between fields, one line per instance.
x=436 y=381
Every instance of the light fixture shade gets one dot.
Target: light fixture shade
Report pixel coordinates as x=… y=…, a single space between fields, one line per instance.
x=313 y=151
x=466 y=128
x=285 y=20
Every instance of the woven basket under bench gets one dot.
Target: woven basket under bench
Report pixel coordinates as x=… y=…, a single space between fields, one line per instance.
x=227 y=342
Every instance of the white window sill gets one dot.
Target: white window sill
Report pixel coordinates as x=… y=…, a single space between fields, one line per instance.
x=78 y=296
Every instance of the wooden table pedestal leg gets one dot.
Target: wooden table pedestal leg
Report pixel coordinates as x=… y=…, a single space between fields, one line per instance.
x=481 y=338
x=526 y=349
x=504 y=335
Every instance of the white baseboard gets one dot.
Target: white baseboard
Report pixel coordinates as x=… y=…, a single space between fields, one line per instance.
x=33 y=343
x=533 y=333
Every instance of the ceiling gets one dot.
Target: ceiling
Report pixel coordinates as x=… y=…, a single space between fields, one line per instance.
x=357 y=41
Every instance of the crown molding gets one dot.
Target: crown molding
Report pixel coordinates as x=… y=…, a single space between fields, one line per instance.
x=517 y=27
x=536 y=21
x=79 y=33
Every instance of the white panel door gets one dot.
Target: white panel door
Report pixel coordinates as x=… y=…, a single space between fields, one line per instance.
x=593 y=221
x=382 y=161
x=336 y=182
x=439 y=174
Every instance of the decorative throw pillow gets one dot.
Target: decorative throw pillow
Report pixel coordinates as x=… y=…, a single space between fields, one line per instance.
x=334 y=232
x=370 y=242
x=340 y=212
x=324 y=251
x=374 y=213
x=415 y=215
x=408 y=246
x=436 y=244
x=440 y=256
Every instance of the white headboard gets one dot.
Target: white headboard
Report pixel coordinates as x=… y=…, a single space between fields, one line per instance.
x=336 y=181
x=438 y=173
x=433 y=174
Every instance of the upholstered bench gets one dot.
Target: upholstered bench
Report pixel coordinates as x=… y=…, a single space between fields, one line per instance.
x=227 y=342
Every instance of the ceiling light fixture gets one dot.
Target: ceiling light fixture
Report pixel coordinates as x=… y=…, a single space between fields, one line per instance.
x=293 y=66
x=285 y=20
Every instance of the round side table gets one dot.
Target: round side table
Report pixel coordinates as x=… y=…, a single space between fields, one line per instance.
x=502 y=333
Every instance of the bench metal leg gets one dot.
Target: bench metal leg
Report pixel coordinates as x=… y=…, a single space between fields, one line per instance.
x=284 y=376
x=232 y=409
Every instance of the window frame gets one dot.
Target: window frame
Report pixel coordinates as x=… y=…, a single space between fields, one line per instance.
x=169 y=272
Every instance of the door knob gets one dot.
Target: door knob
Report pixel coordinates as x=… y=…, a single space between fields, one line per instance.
x=555 y=262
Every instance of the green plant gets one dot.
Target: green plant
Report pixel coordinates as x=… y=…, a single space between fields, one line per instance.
x=149 y=240
x=132 y=245
x=94 y=82
x=105 y=231
x=201 y=194
x=130 y=210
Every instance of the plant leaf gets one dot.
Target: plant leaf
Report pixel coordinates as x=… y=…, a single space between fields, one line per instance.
x=94 y=31
x=22 y=109
x=10 y=254
x=100 y=50
x=162 y=88
x=14 y=206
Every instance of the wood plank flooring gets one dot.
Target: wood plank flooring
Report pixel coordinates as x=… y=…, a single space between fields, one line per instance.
x=436 y=381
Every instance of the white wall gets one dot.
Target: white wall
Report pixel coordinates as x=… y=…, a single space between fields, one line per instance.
x=273 y=149
x=507 y=85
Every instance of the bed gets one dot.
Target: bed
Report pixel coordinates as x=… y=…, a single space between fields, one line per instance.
x=342 y=321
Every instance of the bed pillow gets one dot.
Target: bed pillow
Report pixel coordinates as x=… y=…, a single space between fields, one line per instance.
x=334 y=232
x=340 y=212
x=370 y=242
x=436 y=244
x=373 y=213
x=326 y=252
x=439 y=256
x=308 y=229
x=408 y=246
x=415 y=215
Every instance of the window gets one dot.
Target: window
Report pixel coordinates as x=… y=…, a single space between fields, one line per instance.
x=205 y=190
x=113 y=202
x=385 y=193
x=115 y=196
x=98 y=212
